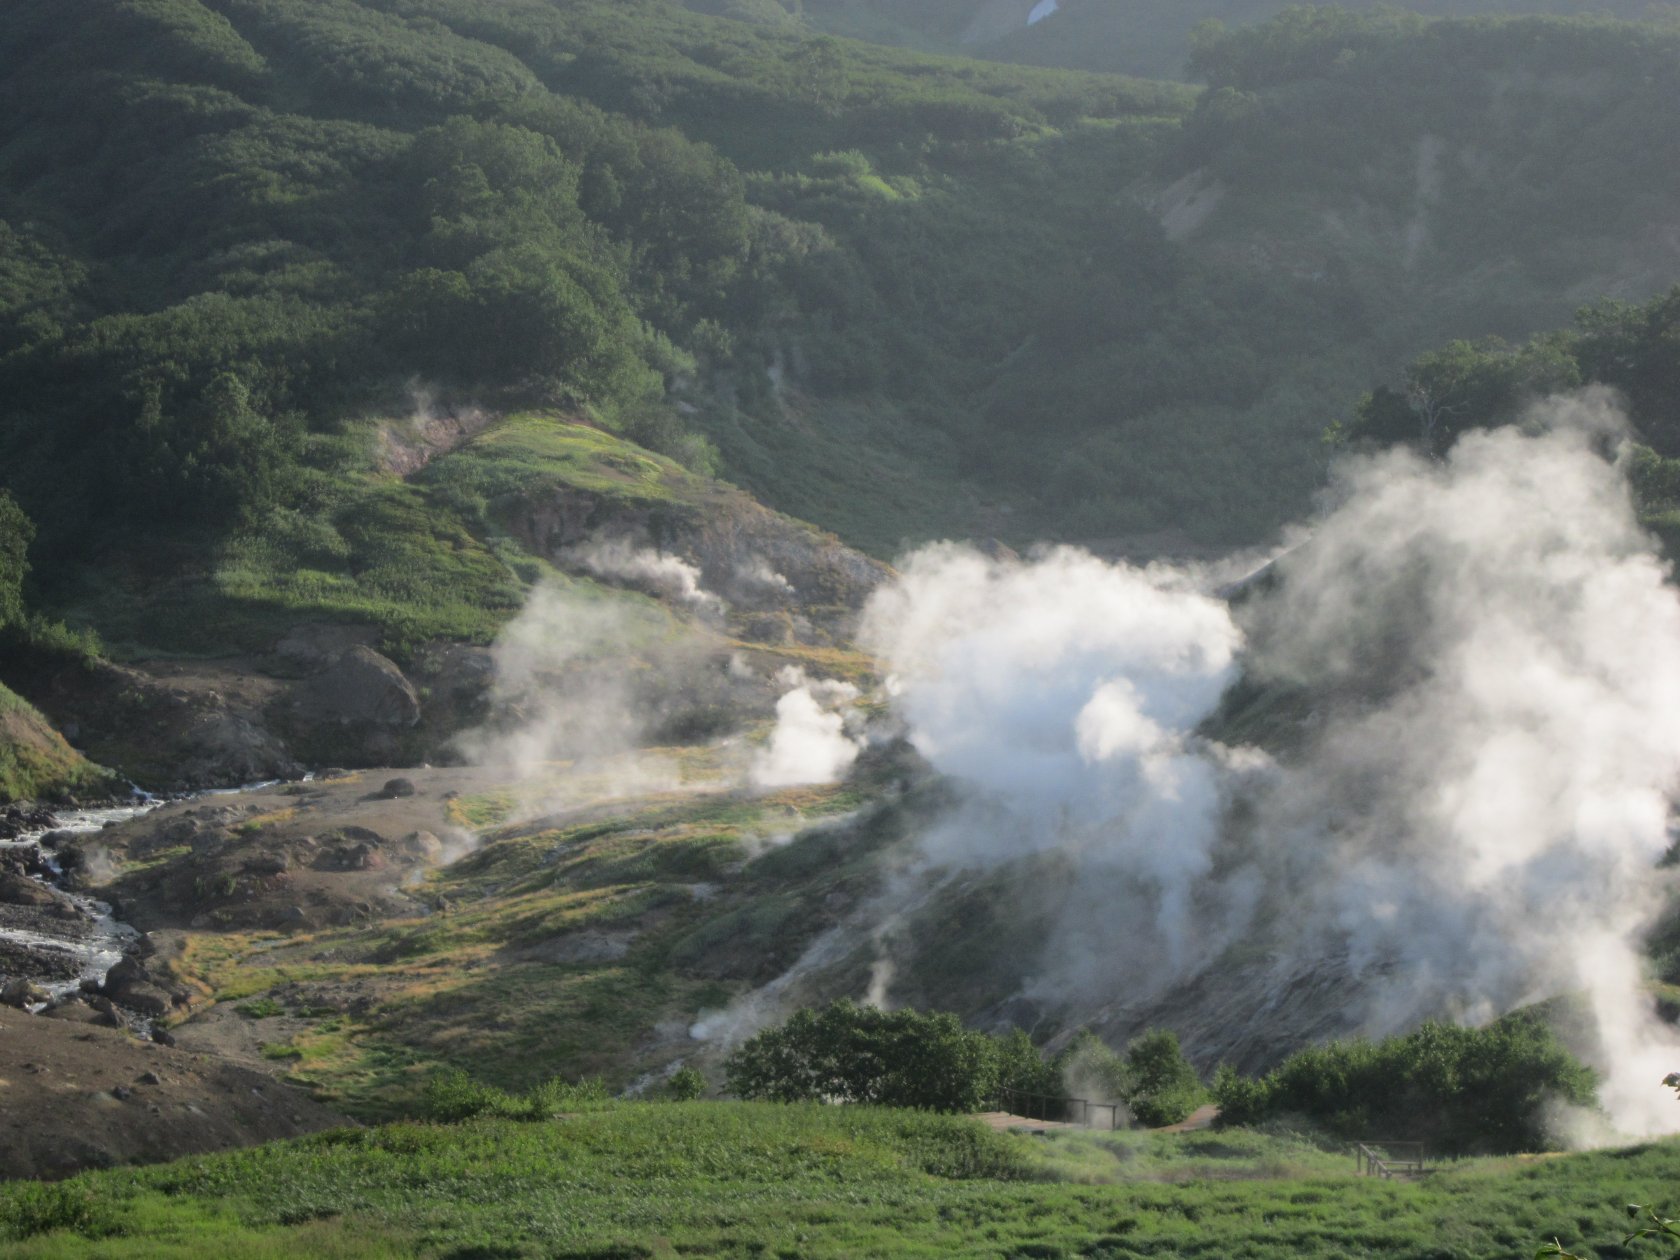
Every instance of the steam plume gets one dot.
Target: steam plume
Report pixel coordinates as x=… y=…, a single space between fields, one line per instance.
x=810 y=743
x=1492 y=653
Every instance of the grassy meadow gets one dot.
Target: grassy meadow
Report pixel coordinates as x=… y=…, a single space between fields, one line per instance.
x=737 y=1179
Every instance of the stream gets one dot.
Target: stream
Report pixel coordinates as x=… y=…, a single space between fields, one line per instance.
x=53 y=938
x=58 y=943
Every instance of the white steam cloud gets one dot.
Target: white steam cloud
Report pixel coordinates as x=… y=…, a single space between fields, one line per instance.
x=558 y=687
x=656 y=572
x=584 y=681
x=810 y=742
x=1064 y=690
x=755 y=576
x=1473 y=821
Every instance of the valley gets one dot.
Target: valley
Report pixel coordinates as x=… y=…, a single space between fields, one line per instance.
x=557 y=557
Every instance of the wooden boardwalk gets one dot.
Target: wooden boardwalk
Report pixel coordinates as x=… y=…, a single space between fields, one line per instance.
x=1004 y=1122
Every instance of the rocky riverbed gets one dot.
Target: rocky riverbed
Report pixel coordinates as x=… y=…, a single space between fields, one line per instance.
x=60 y=946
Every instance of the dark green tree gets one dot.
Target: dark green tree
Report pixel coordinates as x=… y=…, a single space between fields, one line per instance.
x=1164 y=1088
x=858 y=1054
x=16 y=531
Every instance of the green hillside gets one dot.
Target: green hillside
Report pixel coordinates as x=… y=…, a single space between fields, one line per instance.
x=899 y=295
x=710 y=1179
x=35 y=761
x=1151 y=38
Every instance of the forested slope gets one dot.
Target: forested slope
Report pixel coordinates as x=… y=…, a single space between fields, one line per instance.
x=900 y=296
x=1143 y=37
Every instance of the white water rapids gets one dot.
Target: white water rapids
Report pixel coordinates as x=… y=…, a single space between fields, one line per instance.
x=95 y=940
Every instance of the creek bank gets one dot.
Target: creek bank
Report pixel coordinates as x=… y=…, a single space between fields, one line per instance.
x=64 y=954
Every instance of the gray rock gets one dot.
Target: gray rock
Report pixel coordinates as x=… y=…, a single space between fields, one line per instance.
x=137 y=995
x=20 y=993
x=268 y=864
x=20 y=890
x=128 y=970
x=313 y=646
x=360 y=687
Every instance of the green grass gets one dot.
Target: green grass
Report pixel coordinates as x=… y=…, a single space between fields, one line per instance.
x=554 y=949
x=530 y=453
x=37 y=763
x=730 y=1179
x=425 y=559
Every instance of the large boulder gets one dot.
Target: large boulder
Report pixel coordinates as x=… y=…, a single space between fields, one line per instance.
x=20 y=890
x=361 y=687
x=357 y=711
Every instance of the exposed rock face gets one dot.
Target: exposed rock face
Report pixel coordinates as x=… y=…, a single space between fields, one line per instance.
x=407 y=446
x=19 y=890
x=313 y=647
x=175 y=726
x=360 y=688
x=758 y=560
x=357 y=710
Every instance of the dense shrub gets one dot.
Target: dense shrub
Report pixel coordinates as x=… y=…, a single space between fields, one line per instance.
x=15 y=533
x=453 y=1096
x=686 y=1085
x=1164 y=1088
x=1460 y=1090
x=858 y=1054
x=41 y=1208
x=848 y=1053
x=1153 y=1079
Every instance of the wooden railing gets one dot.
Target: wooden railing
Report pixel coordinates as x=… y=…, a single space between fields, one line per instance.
x=1389 y=1160
x=1054 y=1108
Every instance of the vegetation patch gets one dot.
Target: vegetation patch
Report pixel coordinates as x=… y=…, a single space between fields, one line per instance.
x=736 y=1178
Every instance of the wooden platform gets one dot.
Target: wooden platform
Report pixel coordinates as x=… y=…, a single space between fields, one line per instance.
x=1201 y=1118
x=1003 y=1121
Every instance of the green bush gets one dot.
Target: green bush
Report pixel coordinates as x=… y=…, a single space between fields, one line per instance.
x=1153 y=1079
x=1459 y=1090
x=858 y=1054
x=855 y=1054
x=1164 y=1088
x=41 y=1208
x=453 y=1096
x=16 y=530
x=686 y=1085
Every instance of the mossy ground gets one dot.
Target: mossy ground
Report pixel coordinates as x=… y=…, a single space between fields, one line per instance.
x=421 y=559
x=582 y=942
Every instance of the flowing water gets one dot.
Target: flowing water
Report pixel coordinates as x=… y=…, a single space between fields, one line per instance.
x=54 y=949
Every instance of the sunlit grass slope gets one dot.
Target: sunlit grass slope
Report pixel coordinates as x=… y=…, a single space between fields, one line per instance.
x=711 y=1179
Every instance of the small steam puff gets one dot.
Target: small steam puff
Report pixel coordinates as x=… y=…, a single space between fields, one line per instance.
x=667 y=575
x=1494 y=653
x=810 y=742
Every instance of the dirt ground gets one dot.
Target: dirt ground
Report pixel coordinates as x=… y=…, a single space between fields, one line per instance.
x=76 y=1095
x=73 y=1096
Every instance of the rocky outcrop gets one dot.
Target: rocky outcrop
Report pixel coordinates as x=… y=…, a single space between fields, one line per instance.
x=357 y=711
x=361 y=693
x=406 y=446
x=758 y=561
x=173 y=726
